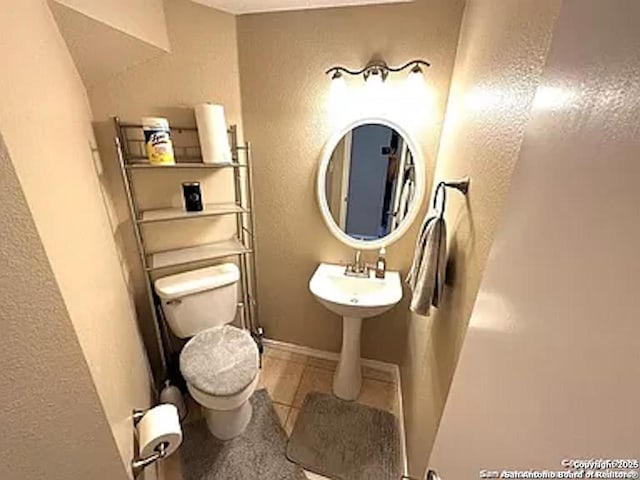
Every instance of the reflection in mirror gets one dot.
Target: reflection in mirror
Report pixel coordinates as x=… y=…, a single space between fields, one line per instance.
x=370 y=181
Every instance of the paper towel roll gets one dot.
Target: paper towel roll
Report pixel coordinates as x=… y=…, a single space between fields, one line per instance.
x=212 y=132
x=160 y=424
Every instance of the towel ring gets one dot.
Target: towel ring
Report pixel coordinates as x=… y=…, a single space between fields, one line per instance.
x=461 y=185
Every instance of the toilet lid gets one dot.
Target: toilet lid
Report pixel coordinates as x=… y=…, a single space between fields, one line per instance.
x=220 y=361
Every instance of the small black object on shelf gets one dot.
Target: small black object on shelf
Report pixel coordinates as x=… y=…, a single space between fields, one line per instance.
x=192 y=196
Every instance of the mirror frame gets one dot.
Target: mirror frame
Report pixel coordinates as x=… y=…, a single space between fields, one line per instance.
x=322 y=182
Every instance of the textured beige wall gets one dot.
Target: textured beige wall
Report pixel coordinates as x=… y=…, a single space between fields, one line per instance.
x=549 y=369
x=498 y=67
x=202 y=66
x=53 y=426
x=143 y=19
x=46 y=122
x=289 y=115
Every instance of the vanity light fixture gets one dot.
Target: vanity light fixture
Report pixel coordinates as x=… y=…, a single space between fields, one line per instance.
x=416 y=72
x=377 y=70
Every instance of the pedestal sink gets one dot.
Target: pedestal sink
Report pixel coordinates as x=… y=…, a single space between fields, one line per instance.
x=354 y=298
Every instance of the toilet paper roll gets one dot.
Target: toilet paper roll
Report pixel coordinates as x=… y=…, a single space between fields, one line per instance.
x=159 y=425
x=212 y=132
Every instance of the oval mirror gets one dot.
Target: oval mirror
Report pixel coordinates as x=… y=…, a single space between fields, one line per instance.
x=370 y=184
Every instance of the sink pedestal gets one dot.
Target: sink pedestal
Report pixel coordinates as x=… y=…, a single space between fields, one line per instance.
x=348 y=377
x=353 y=298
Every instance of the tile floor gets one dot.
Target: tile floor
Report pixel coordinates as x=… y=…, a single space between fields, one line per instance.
x=288 y=377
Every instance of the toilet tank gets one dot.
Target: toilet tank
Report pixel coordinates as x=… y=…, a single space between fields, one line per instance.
x=199 y=299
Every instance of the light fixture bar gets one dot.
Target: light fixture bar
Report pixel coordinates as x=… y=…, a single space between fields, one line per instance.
x=377 y=67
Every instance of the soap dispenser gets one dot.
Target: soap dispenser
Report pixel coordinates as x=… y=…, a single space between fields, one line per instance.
x=381 y=264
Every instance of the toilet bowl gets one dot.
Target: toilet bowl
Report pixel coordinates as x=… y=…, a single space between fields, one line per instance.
x=220 y=362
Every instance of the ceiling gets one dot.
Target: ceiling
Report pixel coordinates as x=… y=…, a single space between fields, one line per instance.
x=239 y=7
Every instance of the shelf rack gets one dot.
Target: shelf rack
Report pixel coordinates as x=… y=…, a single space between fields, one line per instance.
x=130 y=147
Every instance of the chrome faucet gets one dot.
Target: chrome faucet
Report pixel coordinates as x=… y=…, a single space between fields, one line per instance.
x=358 y=268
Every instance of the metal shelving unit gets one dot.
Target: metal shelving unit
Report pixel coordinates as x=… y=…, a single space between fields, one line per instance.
x=129 y=142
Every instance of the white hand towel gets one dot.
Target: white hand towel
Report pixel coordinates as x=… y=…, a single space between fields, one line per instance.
x=426 y=276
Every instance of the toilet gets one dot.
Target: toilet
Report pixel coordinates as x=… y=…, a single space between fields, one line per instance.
x=220 y=361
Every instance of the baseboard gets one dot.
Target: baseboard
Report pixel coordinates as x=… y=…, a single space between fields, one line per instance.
x=375 y=364
x=403 y=433
x=293 y=348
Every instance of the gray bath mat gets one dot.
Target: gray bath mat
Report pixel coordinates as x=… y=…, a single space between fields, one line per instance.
x=345 y=440
x=257 y=454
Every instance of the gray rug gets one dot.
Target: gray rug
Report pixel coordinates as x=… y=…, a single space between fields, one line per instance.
x=257 y=454
x=345 y=440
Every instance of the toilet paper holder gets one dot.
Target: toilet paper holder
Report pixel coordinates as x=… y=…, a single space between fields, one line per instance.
x=139 y=464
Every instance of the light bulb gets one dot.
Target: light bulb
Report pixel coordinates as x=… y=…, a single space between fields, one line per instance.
x=374 y=81
x=416 y=75
x=338 y=85
x=415 y=83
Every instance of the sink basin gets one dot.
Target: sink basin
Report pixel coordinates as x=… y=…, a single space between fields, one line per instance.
x=354 y=298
